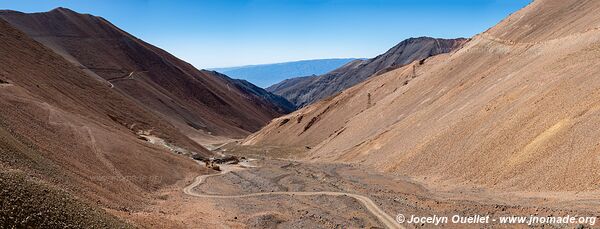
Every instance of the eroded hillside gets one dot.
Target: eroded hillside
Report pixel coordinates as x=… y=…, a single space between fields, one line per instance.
x=516 y=108
x=201 y=104
x=74 y=134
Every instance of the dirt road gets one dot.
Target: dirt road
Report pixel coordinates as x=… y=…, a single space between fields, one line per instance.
x=383 y=217
x=130 y=76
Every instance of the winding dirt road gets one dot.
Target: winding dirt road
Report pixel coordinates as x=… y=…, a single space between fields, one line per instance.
x=383 y=217
x=130 y=76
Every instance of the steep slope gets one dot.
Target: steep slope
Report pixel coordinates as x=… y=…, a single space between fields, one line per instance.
x=516 y=109
x=26 y=203
x=261 y=97
x=199 y=103
x=63 y=132
x=306 y=90
x=265 y=75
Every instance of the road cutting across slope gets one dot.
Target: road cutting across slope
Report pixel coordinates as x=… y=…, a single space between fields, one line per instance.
x=381 y=215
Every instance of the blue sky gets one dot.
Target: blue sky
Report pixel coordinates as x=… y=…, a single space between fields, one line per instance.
x=220 y=33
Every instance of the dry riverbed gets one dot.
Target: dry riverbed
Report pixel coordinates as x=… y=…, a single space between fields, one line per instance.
x=392 y=194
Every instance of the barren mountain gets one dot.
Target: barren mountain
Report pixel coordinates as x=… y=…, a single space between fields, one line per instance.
x=264 y=99
x=306 y=90
x=202 y=104
x=265 y=75
x=70 y=145
x=515 y=109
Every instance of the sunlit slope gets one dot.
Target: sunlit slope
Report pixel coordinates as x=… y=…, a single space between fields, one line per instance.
x=516 y=108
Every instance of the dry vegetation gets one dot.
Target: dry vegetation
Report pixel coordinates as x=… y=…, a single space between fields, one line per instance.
x=28 y=203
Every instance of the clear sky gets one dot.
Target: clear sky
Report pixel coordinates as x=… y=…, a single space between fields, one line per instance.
x=220 y=33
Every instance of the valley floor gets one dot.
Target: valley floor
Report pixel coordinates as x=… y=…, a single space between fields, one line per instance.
x=283 y=193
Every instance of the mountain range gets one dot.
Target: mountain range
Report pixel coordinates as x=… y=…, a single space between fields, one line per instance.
x=302 y=91
x=265 y=75
x=201 y=104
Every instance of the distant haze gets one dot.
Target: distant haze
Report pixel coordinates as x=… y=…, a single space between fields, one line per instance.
x=265 y=75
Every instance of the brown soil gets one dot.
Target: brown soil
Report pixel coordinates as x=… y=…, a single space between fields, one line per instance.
x=507 y=125
x=201 y=104
x=515 y=109
x=29 y=203
x=62 y=127
x=393 y=194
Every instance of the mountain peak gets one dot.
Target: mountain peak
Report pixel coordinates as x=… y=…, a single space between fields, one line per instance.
x=67 y=11
x=304 y=91
x=62 y=10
